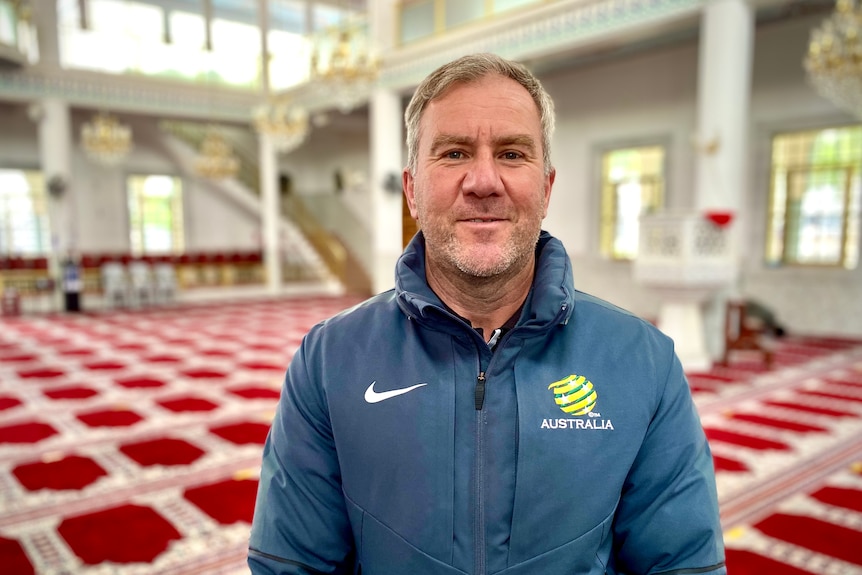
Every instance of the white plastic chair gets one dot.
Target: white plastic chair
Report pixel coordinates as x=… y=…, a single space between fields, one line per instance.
x=165 y=282
x=141 y=284
x=115 y=286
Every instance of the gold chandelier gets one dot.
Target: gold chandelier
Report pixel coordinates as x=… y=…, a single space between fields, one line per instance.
x=216 y=159
x=287 y=125
x=105 y=140
x=834 y=59
x=343 y=67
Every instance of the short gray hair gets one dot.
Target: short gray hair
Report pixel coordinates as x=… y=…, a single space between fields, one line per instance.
x=468 y=69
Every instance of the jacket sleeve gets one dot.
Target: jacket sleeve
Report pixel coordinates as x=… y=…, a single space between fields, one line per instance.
x=667 y=520
x=300 y=521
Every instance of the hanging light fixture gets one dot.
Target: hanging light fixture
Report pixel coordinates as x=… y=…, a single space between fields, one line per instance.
x=216 y=160
x=343 y=67
x=105 y=140
x=834 y=58
x=287 y=125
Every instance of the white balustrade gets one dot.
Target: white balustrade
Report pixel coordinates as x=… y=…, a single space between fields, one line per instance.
x=687 y=258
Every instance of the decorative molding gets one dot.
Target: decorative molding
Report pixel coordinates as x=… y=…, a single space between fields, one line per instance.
x=134 y=95
x=555 y=27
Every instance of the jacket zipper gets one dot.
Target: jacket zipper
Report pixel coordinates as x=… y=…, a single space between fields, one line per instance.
x=479 y=487
x=479 y=519
x=479 y=394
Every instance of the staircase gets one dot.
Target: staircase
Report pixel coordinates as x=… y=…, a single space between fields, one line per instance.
x=312 y=252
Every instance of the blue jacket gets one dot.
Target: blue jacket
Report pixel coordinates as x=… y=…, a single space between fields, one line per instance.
x=573 y=448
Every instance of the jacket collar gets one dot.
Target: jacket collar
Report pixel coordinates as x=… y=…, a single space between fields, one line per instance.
x=550 y=302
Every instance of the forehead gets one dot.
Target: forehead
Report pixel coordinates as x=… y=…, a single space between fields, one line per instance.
x=493 y=104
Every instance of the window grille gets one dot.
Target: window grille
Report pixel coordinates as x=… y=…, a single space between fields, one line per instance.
x=632 y=185
x=155 y=214
x=23 y=213
x=814 y=205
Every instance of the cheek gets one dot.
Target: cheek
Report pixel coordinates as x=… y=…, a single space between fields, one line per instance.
x=428 y=199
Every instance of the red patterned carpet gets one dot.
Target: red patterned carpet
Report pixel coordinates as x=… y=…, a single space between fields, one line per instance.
x=787 y=445
x=130 y=442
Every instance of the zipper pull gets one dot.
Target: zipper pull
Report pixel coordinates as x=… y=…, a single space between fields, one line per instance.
x=480 y=391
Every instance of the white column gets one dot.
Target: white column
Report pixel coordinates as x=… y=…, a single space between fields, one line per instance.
x=270 y=213
x=387 y=143
x=724 y=93
x=55 y=141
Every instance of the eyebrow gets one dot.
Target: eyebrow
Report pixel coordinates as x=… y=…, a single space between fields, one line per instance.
x=446 y=140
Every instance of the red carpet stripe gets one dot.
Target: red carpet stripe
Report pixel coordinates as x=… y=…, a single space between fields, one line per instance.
x=814 y=534
x=796 y=426
x=831 y=395
x=727 y=464
x=842 y=381
x=744 y=440
x=13 y=558
x=741 y=562
x=810 y=408
x=8 y=402
x=27 y=432
x=840 y=497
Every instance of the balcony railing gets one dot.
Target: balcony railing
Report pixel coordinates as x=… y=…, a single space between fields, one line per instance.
x=685 y=250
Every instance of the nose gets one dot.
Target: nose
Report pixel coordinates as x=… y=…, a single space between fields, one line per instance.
x=482 y=177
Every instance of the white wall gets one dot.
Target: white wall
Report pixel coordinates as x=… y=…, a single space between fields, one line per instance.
x=212 y=220
x=650 y=97
x=653 y=96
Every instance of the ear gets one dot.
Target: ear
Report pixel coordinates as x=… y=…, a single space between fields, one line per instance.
x=549 y=184
x=407 y=184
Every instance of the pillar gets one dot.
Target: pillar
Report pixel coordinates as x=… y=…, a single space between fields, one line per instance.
x=270 y=213
x=55 y=142
x=386 y=132
x=724 y=93
x=387 y=143
x=692 y=312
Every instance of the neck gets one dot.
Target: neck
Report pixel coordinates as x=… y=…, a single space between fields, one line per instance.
x=486 y=302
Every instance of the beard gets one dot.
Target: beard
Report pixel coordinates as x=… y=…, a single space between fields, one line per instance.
x=481 y=257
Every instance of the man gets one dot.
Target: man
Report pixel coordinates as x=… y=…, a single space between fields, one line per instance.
x=484 y=417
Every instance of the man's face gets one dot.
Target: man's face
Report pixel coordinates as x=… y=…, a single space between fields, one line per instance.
x=479 y=191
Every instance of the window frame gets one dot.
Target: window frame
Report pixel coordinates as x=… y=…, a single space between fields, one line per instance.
x=775 y=252
x=138 y=247
x=605 y=244
x=43 y=224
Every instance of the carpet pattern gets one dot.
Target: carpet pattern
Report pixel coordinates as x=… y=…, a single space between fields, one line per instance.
x=787 y=445
x=130 y=441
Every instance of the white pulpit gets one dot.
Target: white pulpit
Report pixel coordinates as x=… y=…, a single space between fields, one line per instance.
x=686 y=258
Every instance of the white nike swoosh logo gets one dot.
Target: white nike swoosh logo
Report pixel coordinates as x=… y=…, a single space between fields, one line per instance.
x=372 y=396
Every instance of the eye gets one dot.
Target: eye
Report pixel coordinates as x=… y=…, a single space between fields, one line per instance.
x=454 y=155
x=512 y=155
